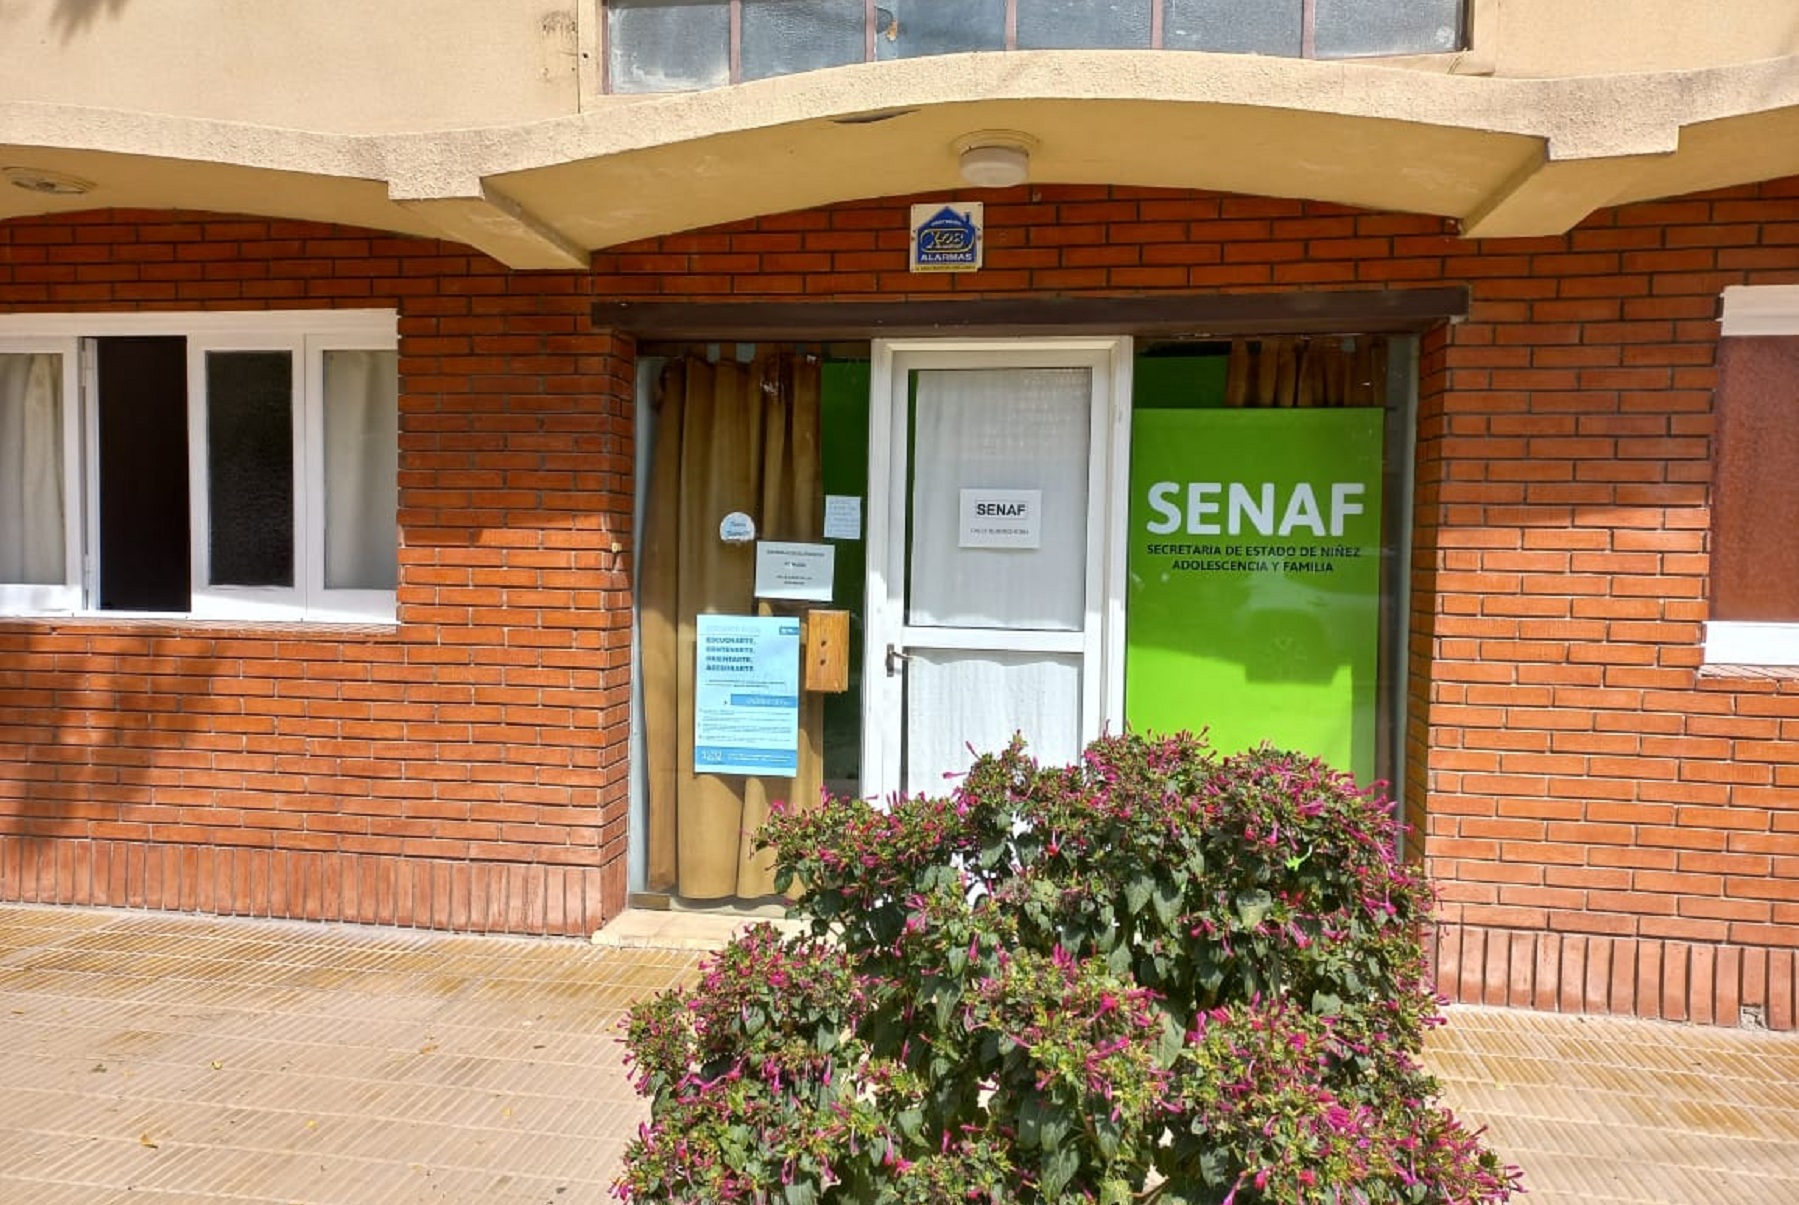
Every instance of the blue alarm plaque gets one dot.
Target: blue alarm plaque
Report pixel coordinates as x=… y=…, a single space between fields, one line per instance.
x=946 y=238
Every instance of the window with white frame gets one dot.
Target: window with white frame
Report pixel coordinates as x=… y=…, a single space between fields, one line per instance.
x=1754 y=588
x=226 y=466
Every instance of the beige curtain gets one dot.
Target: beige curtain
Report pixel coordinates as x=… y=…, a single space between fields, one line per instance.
x=31 y=462
x=1307 y=371
x=729 y=437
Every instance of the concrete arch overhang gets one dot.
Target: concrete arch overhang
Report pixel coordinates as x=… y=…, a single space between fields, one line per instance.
x=1505 y=157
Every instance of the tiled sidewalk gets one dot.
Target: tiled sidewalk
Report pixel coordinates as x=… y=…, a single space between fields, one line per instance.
x=1611 y=1110
x=150 y=1057
x=156 y=1058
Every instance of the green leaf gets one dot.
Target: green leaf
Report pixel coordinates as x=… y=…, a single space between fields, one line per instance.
x=1326 y=1004
x=1057 y=1169
x=1137 y=891
x=947 y=999
x=1171 y=1042
x=1167 y=900
x=1030 y=1123
x=1052 y=1127
x=1106 y=1136
x=801 y=1192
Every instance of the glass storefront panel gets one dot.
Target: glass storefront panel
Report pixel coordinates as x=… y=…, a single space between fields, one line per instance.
x=1264 y=545
x=1261 y=547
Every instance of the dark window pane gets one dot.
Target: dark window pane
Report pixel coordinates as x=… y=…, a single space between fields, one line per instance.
x=1347 y=28
x=250 y=467
x=667 y=45
x=144 y=516
x=1083 y=24
x=784 y=37
x=1234 y=26
x=907 y=29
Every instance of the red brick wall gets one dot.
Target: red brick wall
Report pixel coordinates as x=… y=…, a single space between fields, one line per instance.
x=1612 y=830
x=465 y=770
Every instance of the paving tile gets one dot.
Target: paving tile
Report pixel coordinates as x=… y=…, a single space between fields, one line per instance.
x=165 y=1058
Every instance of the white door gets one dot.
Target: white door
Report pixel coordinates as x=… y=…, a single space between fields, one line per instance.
x=996 y=553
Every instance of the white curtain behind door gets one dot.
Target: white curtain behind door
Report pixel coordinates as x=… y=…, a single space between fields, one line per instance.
x=1025 y=429
x=31 y=457
x=1013 y=428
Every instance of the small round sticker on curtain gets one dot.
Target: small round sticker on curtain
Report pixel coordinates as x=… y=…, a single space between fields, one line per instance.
x=737 y=528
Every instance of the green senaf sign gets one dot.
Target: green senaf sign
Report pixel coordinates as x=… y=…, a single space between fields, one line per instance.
x=1254 y=600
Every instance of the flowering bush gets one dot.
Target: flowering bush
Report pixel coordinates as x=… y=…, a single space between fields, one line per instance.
x=1156 y=975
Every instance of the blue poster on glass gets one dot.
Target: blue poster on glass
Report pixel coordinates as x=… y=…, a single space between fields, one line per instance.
x=746 y=696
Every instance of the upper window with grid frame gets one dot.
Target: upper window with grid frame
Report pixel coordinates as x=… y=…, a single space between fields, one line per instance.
x=686 y=45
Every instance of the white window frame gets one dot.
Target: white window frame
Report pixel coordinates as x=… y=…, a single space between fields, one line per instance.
x=323 y=602
x=1755 y=311
x=307 y=335
x=64 y=597
x=210 y=601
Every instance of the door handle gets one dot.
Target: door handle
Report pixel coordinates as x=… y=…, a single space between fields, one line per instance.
x=894 y=658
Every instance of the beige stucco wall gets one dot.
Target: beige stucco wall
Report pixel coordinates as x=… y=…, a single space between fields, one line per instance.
x=336 y=66
x=1542 y=38
x=478 y=120
x=393 y=66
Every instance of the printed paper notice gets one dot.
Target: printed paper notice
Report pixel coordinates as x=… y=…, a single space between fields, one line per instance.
x=1002 y=519
x=795 y=572
x=746 y=696
x=843 y=517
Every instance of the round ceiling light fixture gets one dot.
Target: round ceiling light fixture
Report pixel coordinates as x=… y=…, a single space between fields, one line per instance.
x=995 y=158
x=37 y=179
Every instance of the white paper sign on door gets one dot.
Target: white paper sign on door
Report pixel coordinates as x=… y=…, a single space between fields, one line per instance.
x=1002 y=519
x=843 y=517
x=796 y=572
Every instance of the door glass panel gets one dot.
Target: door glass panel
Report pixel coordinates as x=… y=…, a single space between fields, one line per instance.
x=32 y=519
x=782 y=37
x=956 y=699
x=250 y=467
x=1234 y=26
x=998 y=431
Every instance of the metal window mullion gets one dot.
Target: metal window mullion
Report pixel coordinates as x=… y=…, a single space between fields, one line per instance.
x=869 y=21
x=1157 y=19
x=737 y=41
x=1308 y=29
x=1011 y=24
x=603 y=44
